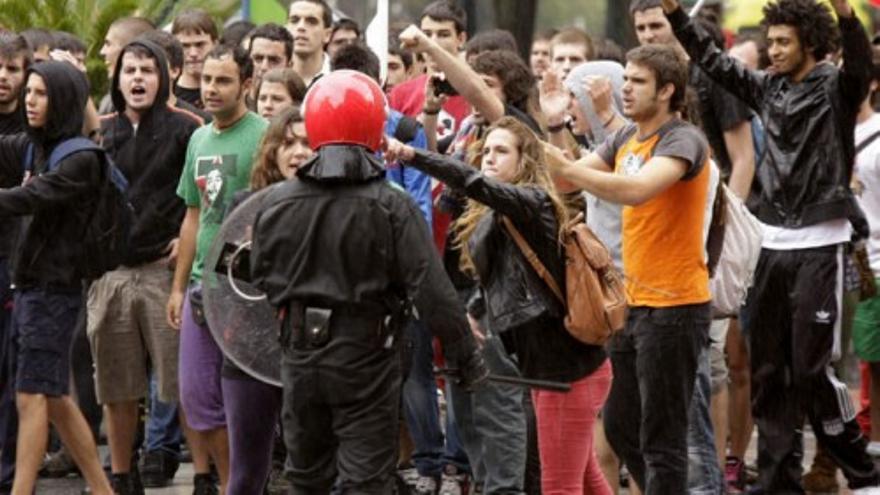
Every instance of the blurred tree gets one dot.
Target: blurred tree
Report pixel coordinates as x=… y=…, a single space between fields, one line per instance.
x=90 y=20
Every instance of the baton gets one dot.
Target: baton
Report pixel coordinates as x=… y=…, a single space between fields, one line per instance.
x=514 y=380
x=696 y=10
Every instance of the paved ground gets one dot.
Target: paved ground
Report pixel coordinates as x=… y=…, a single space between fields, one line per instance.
x=183 y=481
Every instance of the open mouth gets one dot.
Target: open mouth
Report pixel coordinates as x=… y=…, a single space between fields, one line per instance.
x=138 y=90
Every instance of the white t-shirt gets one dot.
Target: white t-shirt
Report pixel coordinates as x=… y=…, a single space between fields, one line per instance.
x=828 y=233
x=867 y=172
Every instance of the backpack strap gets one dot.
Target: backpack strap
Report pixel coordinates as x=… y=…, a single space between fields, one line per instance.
x=69 y=147
x=533 y=259
x=867 y=141
x=27 y=162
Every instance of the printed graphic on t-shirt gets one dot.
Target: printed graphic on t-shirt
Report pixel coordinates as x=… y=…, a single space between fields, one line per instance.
x=631 y=164
x=211 y=173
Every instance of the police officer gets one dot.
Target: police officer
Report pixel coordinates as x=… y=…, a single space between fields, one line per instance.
x=342 y=253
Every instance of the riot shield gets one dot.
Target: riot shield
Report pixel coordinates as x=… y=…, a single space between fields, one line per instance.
x=239 y=316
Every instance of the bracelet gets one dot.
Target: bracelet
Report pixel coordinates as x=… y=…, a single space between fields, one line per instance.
x=430 y=112
x=556 y=128
x=610 y=120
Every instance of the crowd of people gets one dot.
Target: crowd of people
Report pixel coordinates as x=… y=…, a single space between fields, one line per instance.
x=402 y=221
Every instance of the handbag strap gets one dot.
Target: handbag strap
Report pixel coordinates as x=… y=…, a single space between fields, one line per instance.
x=533 y=259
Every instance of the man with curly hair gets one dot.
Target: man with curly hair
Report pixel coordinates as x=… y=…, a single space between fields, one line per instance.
x=802 y=195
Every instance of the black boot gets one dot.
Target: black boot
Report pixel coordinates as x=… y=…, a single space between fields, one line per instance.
x=204 y=485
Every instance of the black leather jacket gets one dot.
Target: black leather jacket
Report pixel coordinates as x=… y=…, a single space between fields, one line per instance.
x=518 y=303
x=803 y=178
x=515 y=294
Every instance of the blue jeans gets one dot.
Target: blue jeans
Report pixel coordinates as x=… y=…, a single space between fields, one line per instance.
x=8 y=412
x=704 y=472
x=422 y=412
x=492 y=424
x=163 y=424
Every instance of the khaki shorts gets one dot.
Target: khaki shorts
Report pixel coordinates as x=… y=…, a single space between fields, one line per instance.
x=129 y=335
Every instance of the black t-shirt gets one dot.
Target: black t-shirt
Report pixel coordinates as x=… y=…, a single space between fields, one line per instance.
x=10 y=123
x=205 y=116
x=720 y=111
x=193 y=96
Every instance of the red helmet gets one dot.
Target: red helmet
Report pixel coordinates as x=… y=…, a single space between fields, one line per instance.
x=345 y=107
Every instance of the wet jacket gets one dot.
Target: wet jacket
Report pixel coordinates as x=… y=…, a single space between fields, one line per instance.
x=804 y=176
x=519 y=305
x=342 y=237
x=56 y=204
x=152 y=159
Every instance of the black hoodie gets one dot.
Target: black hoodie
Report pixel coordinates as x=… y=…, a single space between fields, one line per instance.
x=59 y=201
x=152 y=158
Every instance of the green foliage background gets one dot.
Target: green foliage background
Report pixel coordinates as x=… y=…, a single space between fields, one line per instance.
x=90 y=20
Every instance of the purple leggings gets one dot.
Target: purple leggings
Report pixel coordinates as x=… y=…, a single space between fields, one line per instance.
x=199 y=373
x=252 y=411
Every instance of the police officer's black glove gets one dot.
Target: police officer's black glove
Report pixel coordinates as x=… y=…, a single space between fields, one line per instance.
x=467 y=360
x=473 y=370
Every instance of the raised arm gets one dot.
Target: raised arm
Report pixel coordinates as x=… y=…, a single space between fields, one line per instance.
x=457 y=72
x=855 y=76
x=747 y=85
x=519 y=203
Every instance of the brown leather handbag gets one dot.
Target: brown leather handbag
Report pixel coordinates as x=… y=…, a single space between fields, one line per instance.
x=595 y=297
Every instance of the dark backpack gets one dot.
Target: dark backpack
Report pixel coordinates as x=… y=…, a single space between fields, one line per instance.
x=105 y=241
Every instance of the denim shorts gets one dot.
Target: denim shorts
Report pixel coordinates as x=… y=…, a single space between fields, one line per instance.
x=43 y=324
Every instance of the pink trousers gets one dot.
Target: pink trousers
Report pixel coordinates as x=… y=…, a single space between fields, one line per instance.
x=569 y=465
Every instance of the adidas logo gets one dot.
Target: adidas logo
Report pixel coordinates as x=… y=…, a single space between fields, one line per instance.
x=823 y=316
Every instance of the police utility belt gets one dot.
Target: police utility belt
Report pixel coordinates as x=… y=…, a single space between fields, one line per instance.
x=309 y=327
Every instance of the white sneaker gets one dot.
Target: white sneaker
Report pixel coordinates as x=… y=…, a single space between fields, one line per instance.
x=450 y=484
x=410 y=476
x=873 y=449
x=868 y=490
x=425 y=485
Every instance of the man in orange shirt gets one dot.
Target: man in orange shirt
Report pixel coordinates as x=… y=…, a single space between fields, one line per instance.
x=658 y=169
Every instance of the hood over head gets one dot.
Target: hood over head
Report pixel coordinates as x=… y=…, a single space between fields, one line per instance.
x=67 y=90
x=164 y=84
x=575 y=83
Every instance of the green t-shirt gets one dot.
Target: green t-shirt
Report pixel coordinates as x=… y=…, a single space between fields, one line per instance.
x=218 y=164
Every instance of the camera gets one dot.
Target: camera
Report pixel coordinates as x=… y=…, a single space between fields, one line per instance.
x=443 y=87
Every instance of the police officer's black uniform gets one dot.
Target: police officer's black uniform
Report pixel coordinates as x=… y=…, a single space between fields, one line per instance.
x=339 y=252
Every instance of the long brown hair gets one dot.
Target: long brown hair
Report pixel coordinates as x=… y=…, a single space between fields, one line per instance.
x=532 y=173
x=265 y=171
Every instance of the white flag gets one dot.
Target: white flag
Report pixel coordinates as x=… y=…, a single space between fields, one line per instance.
x=377 y=36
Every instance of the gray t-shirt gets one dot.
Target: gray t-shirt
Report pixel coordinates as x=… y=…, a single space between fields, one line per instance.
x=675 y=139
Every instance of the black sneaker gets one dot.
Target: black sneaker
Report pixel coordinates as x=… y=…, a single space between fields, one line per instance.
x=122 y=484
x=153 y=470
x=203 y=484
